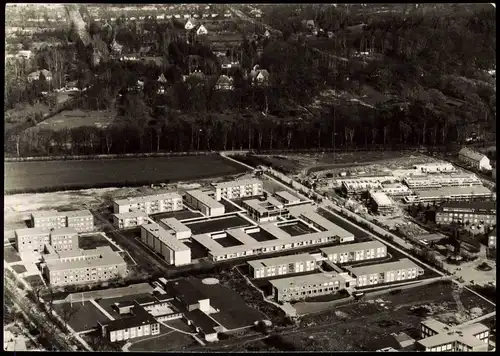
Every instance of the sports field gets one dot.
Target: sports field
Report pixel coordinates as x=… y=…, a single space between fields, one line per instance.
x=59 y=175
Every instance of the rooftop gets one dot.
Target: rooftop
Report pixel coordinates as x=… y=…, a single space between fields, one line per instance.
x=403 y=263
x=175 y=225
x=318 y=219
x=454 y=191
x=286 y=196
x=471 y=154
x=352 y=247
x=108 y=258
x=276 y=261
x=324 y=279
x=165 y=236
x=270 y=204
x=140 y=317
x=131 y=214
x=202 y=320
x=473 y=205
x=46 y=214
x=148 y=198
x=380 y=198
x=186 y=291
x=63 y=231
x=238 y=183
x=32 y=231
x=205 y=199
x=78 y=213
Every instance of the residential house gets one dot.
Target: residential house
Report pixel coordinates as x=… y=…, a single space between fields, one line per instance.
x=201 y=31
x=224 y=83
x=190 y=24
x=474 y=159
x=24 y=54
x=36 y=75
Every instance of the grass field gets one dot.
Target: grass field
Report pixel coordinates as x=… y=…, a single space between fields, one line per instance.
x=77 y=118
x=179 y=215
x=10 y=254
x=80 y=316
x=92 y=241
x=19 y=268
x=208 y=226
x=39 y=175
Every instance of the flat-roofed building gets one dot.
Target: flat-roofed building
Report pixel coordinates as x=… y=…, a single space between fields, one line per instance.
x=80 y=267
x=130 y=219
x=32 y=239
x=478 y=212
x=265 y=210
x=437 y=337
x=64 y=238
x=474 y=159
x=311 y=285
x=492 y=239
x=455 y=194
x=203 y=202
x=439 y=181
x=50 y=219
x=150 y=204
x=381 y=203
x=401 y=270
x=165 y=243
x=81 y=220
x=438 y=167
x=356 y=187
x=319 y=222
x=139 y=324
x=355 y=252
x=277 y=266
x=396 y=189
x=239 y=188
x=286 y=197
x=180 y=230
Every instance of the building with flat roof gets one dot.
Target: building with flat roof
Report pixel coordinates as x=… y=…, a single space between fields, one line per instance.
x=381 y=203
x=437 y=336
x=139 y=324
x=32 y=239
x=492 y=239
x=48 y=219
x=81 y=220
x=277 y=266
x=456 y=194
x=401 y=270
x=150 y=204
x=64 y=238
x=360 y=251
x=239 y=188
x=356 y=187
x=473 y=212
x=78 y=267
x=311 y=285
x=436 y=167
x=180 y=230
x=396 y=189
x=474 y=159
x=286 y=197
x=130 y=219
x=203 y=202
x=442 y=180
x=266 y=210
x=166 y=244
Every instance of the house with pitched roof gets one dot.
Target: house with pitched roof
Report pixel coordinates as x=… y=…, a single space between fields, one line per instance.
x=474 y=159
x=224 y=83
x=202 y=30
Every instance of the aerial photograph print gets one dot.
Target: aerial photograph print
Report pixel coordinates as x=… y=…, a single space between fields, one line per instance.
x=238 y=177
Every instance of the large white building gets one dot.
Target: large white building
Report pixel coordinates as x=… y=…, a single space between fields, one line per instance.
x=401 y=270
x=34 y=239
x=238 y=189
x=438 y=167
x=149 y=204
x=166 y=244
x=278 y=266
x=286 y=197
x=360 y=251
x=178 y=229
x=381 y=202
x=81 y=220
x=64 y=238
x=439 y=181
x=264 y=210
x=130 y=219
x=474 y=159
x=204 y=203
x=449 y=193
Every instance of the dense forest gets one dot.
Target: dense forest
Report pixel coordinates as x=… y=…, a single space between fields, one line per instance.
x=431 y=69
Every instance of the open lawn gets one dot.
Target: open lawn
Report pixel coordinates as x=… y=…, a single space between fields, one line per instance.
x=77 y=118
x=10 y=254
x=169 y=341
x=88 y=242
x=217 y=224
x=58 y=175
x=179 y=215
x=80 y=316
x=19 y=268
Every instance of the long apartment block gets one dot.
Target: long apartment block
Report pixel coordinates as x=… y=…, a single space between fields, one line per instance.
x=278 y=266
x=165 y=243
x=130 y=219
x=401 y=270
x=361 y=251
x=84 y=266
x=472 y=212
x=150 y=204
x=65 y=238
x=311 y=285
x=238 y=189
x=81 y=220
x=203 y=202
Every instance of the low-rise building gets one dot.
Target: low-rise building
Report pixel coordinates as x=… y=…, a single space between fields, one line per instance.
x=150 y=204
x=396 y=189
x=48 y=219
x=84 y=266
x=439 y=167
x=166 y=244
x=277 y=266
x=356 y=187
x=401 y=270
x=238 y=189
x=451 y=194
x=130 y=219
x=439 y=181
x=492 y=239
x=33 y=239
x=179 y=230
x=381 y=203
x=474 y=159
x=286 y=197
x=439 y=337
x=139 y=324
x=265 y=210
x=203 y=202
x=81 y=220
x=64 y=238
x=311 y=285
x=355 y=252
x=479 y=212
